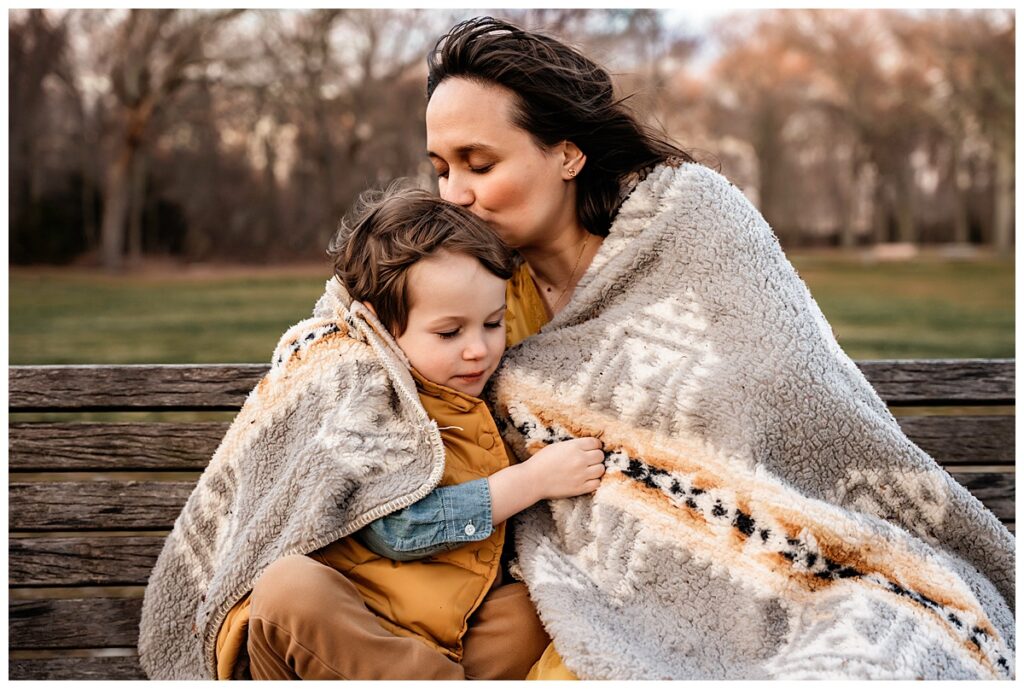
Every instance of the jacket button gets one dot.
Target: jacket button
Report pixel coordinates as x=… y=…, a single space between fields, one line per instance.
x=485 y=554
x=487 y=441
x=470 y=529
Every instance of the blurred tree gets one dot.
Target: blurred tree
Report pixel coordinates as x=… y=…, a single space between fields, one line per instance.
x=969 y=56
x=155 y=53
x=42 y=213
x=763 y=83
x=218 y=135
x=868 y=86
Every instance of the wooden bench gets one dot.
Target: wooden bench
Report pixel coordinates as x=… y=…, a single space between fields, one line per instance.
x=92 y=500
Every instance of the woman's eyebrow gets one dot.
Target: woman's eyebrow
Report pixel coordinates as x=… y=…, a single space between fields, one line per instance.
x=463 y=151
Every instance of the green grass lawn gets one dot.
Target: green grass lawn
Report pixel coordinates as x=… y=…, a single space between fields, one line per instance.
x=926 y=309
x=922 y=309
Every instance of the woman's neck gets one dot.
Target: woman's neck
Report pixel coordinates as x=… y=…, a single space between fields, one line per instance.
x=556 y=266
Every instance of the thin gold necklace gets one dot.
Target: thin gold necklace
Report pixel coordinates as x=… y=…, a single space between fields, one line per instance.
x=554 y=307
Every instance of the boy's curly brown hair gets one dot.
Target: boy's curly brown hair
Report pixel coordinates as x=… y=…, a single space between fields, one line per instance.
x=389 y=230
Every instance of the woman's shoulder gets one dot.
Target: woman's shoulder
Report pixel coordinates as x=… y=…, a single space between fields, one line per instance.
x=680 y=173
x=697 y=187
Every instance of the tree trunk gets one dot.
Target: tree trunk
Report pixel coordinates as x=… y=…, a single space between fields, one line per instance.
x=1002 y=234
x=906 y=228
x=116 y=194
x=137 y=205
x=769 y=162
x=880 y=212
x=269 y=222
x=961 y=228
x=848 y=199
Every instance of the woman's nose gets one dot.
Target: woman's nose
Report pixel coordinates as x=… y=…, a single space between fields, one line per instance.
x=457 y=190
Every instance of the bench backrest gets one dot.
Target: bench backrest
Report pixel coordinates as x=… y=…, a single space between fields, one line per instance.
x=92 y=501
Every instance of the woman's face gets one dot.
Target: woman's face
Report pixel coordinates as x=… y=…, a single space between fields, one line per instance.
x=495 y=169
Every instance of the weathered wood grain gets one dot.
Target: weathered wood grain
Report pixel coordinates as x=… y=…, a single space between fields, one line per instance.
x=140 y=387
x=113 y=446
x=106 y=505
x=996 y=492
x=963 y=439
x=114 y=667
x=189 y=446
x=95 y=505
x=74 y=623
x=942 y=382
x=225 y=386
x=82 y=561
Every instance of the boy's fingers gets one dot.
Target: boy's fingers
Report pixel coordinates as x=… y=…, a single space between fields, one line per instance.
x=590 y=443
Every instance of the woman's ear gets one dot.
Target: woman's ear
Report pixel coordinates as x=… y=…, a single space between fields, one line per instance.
x=573 y=160
x=369 y=307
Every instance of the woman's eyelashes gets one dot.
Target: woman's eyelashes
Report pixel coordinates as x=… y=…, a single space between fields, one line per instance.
x=475 y=169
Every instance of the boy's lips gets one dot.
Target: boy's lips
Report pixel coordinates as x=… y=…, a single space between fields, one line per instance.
x=471 y=375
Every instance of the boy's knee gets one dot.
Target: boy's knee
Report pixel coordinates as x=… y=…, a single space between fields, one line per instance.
x=283 y=585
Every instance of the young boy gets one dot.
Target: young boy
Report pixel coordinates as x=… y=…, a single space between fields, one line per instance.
x=419 y=593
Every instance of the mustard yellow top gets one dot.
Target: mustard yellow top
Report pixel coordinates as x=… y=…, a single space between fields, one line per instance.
x=526 y=313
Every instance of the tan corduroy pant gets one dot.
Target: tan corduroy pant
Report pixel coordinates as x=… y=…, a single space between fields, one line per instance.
x=327 y=632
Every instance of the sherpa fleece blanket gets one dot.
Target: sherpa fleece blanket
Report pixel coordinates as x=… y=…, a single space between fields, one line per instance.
x=762 y=514
x=333 y=437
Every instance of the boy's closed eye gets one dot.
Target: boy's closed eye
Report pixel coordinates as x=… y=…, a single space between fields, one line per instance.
x=447 y=335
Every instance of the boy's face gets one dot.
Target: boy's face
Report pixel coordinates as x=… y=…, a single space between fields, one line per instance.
x=456 y=330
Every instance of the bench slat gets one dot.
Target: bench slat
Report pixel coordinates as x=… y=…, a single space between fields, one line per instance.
x=96 y=505
x=83 y=561
x=995 y=491
x=74 y=623
x=112 y=667
x=225 y=386
x=963 y=439
x=942 y=382
x=106 y=505
x=189 y=446
x=113 y=446
x=137 y=387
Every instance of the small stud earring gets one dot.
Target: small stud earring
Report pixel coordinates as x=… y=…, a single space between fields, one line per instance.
x=572 y=172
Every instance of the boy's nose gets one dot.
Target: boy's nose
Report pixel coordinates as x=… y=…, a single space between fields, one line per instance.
x=475 y=350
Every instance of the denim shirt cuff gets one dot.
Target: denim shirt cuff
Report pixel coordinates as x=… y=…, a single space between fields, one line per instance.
x=440 y=521
x=467 y=511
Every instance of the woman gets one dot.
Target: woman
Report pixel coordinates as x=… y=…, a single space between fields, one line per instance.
x=762 y=515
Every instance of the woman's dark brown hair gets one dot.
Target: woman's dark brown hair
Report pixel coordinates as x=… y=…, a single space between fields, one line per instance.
x=561 y=95
x=388 y=231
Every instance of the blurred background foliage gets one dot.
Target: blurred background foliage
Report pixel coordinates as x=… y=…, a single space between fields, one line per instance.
x=144 y=143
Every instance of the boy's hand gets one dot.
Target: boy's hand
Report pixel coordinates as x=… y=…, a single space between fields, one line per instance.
x=568 y=468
